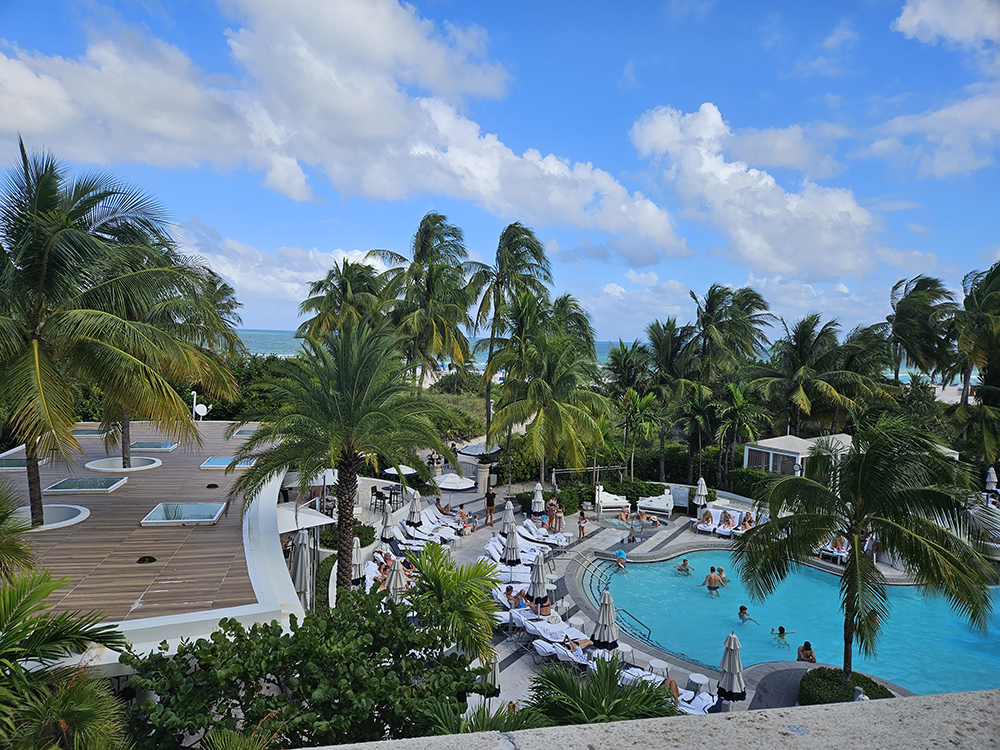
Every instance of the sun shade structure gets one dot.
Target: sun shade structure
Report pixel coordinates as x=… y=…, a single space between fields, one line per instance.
x=413 y=515
x=492 y=678
x=511 y=555
x=508 y=523
x=606 y=631
x=386 y=535
x=396 y=581
x=478 y=449
x=292 y=518
x=357 y=565
x=732 y=687
x=991 y=480
x=536 y=591
x=303 y=567
x=701 y=494
x=453 y=483
x=537 y=501
x=406 y=471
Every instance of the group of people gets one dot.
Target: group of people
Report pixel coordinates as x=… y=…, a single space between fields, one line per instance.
x=727 y=522
x=624 y=516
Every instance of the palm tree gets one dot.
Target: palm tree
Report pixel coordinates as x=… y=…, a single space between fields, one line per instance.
x=673 y=361
x=569 y=318
x=893 y=485
x=565 y=697
x=977 y=323
x=740 y=418
x=637 y=416
x=15 y=554
x=628 y=367
x=730 y=326
x=805 y=370
x=462 y=596
x=342 y=402
x=915 y=329
x=59 y=319
x=865 y=352
x=548 y=388
x=520 y=266
x=697 y=414
x=443 y=719
x=349 y=291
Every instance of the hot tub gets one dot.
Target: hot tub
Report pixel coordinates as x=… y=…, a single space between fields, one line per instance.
x=184 y=514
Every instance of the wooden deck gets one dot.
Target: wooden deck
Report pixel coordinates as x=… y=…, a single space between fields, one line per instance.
x=197 y=567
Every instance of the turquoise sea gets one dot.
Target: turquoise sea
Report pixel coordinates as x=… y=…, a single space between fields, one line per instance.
x=284 y=343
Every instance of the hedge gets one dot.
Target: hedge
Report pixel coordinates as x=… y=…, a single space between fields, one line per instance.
x=571 y=497
x=747 y=482
x=364 y=532
x=713 y=495
x=825 y=685
x=323 y=572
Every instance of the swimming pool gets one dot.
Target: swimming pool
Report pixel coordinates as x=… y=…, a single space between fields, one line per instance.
x=924 y=646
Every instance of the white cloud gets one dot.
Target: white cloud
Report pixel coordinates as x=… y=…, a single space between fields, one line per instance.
x=970 y=23
x=790 y=147
x=816 y=233
x=613 y=290
x=842 y=288
x=642 y=279
x=628 y=80
x=841 y=37
x=368 y=93
x=678 y=10
x=909 y=260
x=621 y=313
x=793 y=300
x=918 y=228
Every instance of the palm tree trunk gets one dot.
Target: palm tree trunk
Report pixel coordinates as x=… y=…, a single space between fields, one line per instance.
x=489 y=387
x=631 y=468
x=126 y=439
x=836 y=416
x=663 y=453
x=34 y=483
x=510 y=462
x=541 y=470
x=848 y=642
x=347 y=486
x=966 y=385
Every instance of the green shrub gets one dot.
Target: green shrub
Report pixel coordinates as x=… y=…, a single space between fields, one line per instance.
x=519 y=460
x=824 y=685
x=713 y=495
x=747 y=482
x=633 y=490
x=457 y=382
x=364 y=532
x=323 y=572
x=463 y=418
x=571 y=497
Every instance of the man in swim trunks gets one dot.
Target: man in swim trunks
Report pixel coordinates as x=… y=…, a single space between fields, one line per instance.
x=683 y=569
x=713 y=581
x=491 y=504
x=806 y=653
x=516 y=601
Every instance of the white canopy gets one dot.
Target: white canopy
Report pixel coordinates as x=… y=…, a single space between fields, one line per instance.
x=306 y=518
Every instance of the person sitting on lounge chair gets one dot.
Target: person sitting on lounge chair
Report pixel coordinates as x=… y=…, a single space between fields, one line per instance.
x=727 y=521
x=706 y=518
x=572 y=645
x=542 y=609
x=446 y=509
x=673 y=687
x=748 y=522
x=515 y=601
x=623 y=516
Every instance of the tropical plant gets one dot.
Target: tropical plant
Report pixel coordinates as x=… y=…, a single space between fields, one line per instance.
x=628 y=367
x=349 y=291
x=729 y=327
x=60 y=318
x=893 y=484
x=342 y=402
x=462 y=595
x=976 y=323
x=673 y=360
x=697 y=415
x=638 y=418
x=564 y=697
x=741 y=419
x=915 y=330
x=548 y=389
x=15 y=554
x=442 y=719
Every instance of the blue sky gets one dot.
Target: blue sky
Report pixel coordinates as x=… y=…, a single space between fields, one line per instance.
x=816 y=151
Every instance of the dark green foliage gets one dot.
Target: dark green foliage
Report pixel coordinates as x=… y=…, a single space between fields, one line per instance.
x=351 y=676
x=675 y=462
x=826 y=685
x=461 y=416
x=323 y=572
x=250 y=373
x=519 y=460
x=746 y=482
x=634 y=490
x=364 y=533
x=457 y=382
x=442 y=719
x=713 y=495
x=571 y=497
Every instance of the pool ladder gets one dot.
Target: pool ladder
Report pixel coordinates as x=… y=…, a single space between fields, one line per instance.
x=631 y=621
x=591 y=566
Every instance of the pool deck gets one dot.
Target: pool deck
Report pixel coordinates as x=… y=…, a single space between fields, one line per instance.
x=197 y=568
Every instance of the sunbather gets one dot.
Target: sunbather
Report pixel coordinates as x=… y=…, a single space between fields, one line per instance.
x=706 y=518
x=515 y=601
x=673 y=687
x=727 y=522
x=572 y=645
x=542 y=609
x=446 y=509
x=748 y=522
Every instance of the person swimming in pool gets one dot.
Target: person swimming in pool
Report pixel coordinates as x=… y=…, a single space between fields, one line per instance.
x=713 y=582
x=683 y=569
x=781 y=636
x=744 y=616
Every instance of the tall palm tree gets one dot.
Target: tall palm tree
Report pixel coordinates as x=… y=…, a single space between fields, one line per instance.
x=519 y=267
x=893 y=484
x=462 y=596
x=549 y=389
x=569 y=318
x=342 y=402
x=977 y=323
x=638 y=418
x=730 y=327
x=673 y=360
x=804 y=370
x=59 y=309
x=866 y=353
x=697 y=415
x=348 y=291
x=628 y=367
x=740 y=418
x=915 y=329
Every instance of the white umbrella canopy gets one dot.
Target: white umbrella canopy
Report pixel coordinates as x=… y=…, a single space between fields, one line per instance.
x=396 y=581
x=732 y=686
x=606 y=630
x=454 y=483
x=413 y=515
x=536 y=591
x=478 y=449
x=991 y=480
x=357 y=564
x=508 y=524
x=407 y=471
x=701 y=494
x=537 y=501
x=302 y=567
x=386 y=535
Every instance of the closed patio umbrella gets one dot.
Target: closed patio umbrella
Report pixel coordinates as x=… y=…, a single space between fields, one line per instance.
x=386 y=535
x=991 y=480
x=357 y=565
x=701 y=494
x=396 y=581
x=537 y=501
x=303 y=567
x=413 y=516
x=536 y=591
x=508 y=525
x=492 y=678
x=511 y=555
x=606 y=631
x=732 y=687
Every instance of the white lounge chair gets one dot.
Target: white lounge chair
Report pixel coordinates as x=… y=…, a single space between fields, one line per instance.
x=420 y=535
x=709 y=528
x=407 y=542
x=634 y=674
x=737 y=517
x=530 y=531
x=440 y=519
x=431 y=525
x=577 y=658
x=699 y=704
x=545 y=651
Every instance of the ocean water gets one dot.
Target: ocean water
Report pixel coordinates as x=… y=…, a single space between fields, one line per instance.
x=284 y=343
x=925 y=647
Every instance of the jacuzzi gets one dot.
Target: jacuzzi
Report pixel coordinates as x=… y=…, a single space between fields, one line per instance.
x=184 y=514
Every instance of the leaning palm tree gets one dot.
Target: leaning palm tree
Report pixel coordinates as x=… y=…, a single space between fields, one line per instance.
x=976 y=323
x=461 y=596
x=342 y=402
x=915 y=329
x=893 y=485
x=60 y=318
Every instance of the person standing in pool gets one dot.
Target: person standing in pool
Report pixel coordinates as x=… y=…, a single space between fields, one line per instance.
x=781 y=636
x=722 y=576
x=491 y=504
x=806 y=653
x=744 y=616
x=683 y=569
x=713 y=582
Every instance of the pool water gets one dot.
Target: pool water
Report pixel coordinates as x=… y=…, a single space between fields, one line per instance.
x=924 y=647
